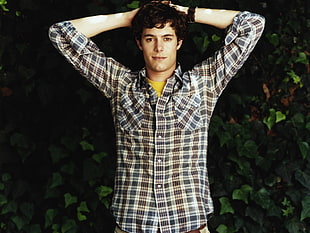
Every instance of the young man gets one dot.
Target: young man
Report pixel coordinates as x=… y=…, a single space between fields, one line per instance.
x=161 y=114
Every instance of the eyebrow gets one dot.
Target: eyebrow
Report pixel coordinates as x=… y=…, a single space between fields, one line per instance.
x=151 y=35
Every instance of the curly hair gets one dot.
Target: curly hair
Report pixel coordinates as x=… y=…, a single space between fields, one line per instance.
x=156 y=14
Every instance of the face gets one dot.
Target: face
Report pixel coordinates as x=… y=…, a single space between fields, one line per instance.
x=159 y=47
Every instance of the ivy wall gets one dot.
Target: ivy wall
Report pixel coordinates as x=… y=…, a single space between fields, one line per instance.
x=57 y=155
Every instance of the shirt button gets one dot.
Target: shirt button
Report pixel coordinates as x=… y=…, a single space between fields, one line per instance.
x=159 y=136
x=159 y=186
x=159 y=160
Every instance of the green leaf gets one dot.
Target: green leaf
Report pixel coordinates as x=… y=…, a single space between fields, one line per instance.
x=215 y=37
x=242 y=193
x=10 y=207
x=273 y=39
x=280 y=116
x=270 y=120
x=262 y=198
x=20 y=221
x=87 y=146
x=103 y=191
x=3 y=199
x=298 y=120
x=35 y=228
x=69 y=226
x=82 y=208
x=49 y=217
x=81 y=217
x=293 y=225
x=6 y=177
x=99 y=157
x=303 y=178
x=133 y=5
x=302 y=58
x=294 y=77
x=226 y=206
x=224 y=137
x=304 y=149
x=27 y=209
x=222 y=228
x=57 y=153
x=305 y=213
x=69 y=199
x=56 y=180
x=273 y=118
x=248 y=149
x=255 y=213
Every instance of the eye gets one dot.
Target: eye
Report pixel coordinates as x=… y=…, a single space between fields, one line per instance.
x=148 y=39
x=167 y=39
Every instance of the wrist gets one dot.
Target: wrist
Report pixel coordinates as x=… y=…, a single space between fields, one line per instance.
x=191 y=14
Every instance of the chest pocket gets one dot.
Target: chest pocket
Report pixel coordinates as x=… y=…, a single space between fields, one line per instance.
x=187 y=110
x=131 y=112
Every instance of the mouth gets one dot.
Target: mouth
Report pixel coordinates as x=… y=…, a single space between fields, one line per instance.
x=158 y=58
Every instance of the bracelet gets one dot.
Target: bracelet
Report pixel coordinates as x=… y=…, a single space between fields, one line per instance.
x=191 y=14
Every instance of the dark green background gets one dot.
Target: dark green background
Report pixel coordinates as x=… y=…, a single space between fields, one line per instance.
x=57 y=155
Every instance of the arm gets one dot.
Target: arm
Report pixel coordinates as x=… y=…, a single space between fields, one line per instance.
x=214 y=17
x=93 y=25
x=71 y=38
x=217 y=18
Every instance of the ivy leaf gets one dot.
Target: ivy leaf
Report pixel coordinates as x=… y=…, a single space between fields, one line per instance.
x=302 y=58
x=303 y=178
x=304 y=149
x=87 y=146
x=133 y=5
x=305 y=213
x=242 y=193
x=20 y=221
x=262 y=198
x=56 y=180
x=226 y=206
x=57 y=153
x=215 y=37
x=99 y=157
x=69 y=226
x=273 y=39
x=103 y=191
x=49 y=217
x=222 y=228
x=11 y=207
x=69 y=199
x=82 y=208
x=3 y=199
x=27 y=209
x=280 y=116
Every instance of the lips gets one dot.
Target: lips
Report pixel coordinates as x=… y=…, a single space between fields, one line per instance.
x=159 y=58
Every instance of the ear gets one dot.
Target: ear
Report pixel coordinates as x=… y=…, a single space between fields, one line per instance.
x=179 y=44
x=139 y=44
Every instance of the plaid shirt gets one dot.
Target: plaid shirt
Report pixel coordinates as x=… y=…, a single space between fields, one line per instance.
x=161 y=175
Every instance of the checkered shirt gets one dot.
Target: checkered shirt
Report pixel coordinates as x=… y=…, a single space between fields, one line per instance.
x=161 y=175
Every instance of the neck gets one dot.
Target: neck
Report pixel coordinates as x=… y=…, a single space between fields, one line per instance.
x=161 y=76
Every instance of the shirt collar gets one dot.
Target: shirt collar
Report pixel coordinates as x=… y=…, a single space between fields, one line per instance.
x=142 y=75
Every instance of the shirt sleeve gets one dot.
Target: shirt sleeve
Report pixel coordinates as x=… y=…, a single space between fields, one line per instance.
x=240 y=41
x=103 y=72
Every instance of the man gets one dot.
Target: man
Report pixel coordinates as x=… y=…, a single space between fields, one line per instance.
x=161 y=114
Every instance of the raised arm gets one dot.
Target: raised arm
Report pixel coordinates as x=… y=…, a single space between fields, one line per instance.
x=94 y=25
x=214 y=17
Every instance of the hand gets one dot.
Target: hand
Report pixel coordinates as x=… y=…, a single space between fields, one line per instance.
x=182 y=9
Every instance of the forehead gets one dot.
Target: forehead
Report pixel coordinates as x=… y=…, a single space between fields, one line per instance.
x=166 y=30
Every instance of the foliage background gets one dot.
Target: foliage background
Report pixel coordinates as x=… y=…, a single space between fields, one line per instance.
x=57 y=155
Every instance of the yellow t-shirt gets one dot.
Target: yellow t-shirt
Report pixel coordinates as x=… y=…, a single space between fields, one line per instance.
x=158 y=86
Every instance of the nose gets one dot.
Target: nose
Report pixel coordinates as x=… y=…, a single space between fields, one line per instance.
x=159 y=46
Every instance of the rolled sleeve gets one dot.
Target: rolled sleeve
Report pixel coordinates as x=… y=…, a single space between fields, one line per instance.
x=103 y=72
